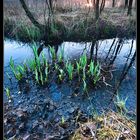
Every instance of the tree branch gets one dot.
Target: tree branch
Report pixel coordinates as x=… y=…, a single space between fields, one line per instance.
x=30 y=16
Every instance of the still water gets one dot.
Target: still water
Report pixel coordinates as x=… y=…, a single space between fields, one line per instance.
x=22 y=52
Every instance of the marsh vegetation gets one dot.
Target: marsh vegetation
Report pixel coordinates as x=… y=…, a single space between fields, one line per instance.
x=63 y=77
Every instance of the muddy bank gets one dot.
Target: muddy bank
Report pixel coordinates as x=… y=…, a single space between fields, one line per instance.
x=55 y=111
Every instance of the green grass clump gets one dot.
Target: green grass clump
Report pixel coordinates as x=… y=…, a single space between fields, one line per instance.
x=32 y=32
x=62 y=120
x=8 y=94
x=61 y=74
x=18 y=70
x=28 y=33
x=9 y=77
x=83 y=61
x=52 y=51
x=36 y=76
x=37 y=60
x=69 y=68
x=84 y=86
x=32 y=65
x=46 y=72
x=84 y=74
x=121 y=104
x=96 y=73
x=91 y=68
x=44 y=59
x=78 y=68
x=60 y=56
x=41 y=69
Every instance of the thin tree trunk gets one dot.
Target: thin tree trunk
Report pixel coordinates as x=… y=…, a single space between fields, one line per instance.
x=130 y=7
x=30 y=16
x=97 y=10
x=113 y=3
x=94 y=3
x=50 y=6
x=126 y=3
x=102 y=6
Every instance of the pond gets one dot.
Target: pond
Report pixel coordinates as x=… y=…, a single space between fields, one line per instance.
x=55 y=101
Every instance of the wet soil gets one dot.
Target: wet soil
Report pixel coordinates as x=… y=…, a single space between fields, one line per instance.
x=39 y=110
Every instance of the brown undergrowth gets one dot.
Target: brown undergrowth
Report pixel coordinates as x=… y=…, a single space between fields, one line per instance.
x=111 y=126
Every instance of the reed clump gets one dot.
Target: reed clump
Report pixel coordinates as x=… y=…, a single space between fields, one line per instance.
x=43 y=71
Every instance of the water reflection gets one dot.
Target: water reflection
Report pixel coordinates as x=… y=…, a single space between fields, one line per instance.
x=118 y=53
x=111 y=50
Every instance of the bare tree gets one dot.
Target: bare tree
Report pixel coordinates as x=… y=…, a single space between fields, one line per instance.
x=50 y=6
x=94 y=2
x=126 y=3
x=45 y=28
x=113 y=3
x=102 y=6
x=129 y=12
x=30 y=16
x=97 y=9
